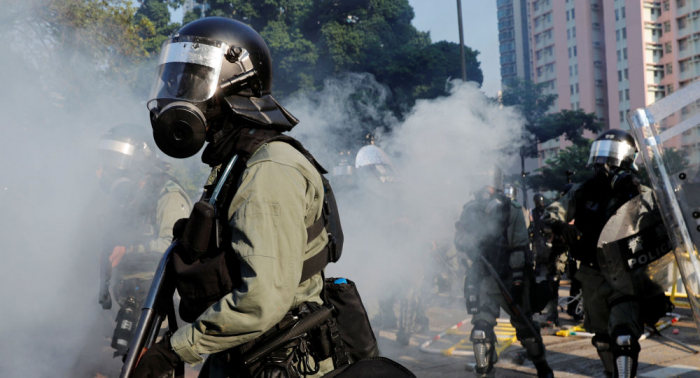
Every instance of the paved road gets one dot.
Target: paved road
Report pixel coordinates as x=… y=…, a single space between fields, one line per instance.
x=568 y=356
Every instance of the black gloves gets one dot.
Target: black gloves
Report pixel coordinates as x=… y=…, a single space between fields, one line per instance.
x=105 y=298
x=158 y=361
x=624 y=181
x=568 y=232
x=179 y=228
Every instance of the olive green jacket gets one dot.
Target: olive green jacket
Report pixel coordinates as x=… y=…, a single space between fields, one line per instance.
x=280 y=194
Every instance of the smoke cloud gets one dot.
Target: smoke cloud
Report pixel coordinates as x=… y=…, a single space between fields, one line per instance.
x=55 y=107
x=442 y=152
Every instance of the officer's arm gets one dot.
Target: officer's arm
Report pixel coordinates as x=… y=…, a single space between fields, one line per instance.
x=269 y=238
x=563 y=209
x=517 y=232
x=173 y=205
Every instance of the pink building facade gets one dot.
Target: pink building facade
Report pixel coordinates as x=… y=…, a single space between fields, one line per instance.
x=611 y=56
x=568 y=43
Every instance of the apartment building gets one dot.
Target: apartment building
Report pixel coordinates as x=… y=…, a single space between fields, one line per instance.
x=609 y=56
x=514 y=40
x=661 y=39
x=568 y=55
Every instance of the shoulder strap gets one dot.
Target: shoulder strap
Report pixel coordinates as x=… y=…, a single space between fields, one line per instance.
x=251 y=140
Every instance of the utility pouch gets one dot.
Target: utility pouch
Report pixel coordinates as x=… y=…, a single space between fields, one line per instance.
x=471 y=294
x=203 y=282
x=198 y=231
x=354 y=330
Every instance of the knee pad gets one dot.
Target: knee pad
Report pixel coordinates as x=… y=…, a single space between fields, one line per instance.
x=625 y=349
x=534 y=347
x=484 y=341
x=602 y=344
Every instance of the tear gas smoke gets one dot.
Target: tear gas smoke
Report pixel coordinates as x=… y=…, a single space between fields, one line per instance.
x=57 y=103
x=54 y=110
x=442 y=152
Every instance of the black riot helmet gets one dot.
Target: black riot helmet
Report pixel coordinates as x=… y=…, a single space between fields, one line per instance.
x=212 y=67
x=126 y=152
x=614 y=148
x=538 y=199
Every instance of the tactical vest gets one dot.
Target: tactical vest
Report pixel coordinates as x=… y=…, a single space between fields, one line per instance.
x=204 y=280
x=596 y=202
x=490 y=230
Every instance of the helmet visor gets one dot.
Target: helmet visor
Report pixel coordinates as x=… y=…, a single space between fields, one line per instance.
x=611 y=152
x=116 y=154
x=188 y=69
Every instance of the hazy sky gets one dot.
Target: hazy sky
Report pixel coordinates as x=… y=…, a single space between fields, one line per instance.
x=439 y=17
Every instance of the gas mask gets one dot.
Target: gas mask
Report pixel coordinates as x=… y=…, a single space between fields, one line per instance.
x=182 y=102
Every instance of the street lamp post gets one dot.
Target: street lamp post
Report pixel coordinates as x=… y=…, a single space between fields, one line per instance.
x=461 y=41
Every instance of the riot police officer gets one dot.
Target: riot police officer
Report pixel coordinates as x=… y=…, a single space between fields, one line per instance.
x=252 y=253
x=613 y=317
x=493 y=226
x=142 y=204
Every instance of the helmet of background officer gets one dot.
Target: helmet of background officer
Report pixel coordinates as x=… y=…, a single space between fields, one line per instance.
x=613 y=150
x=510 y=191
x=213 y=70
x=373 y=165
x=126 y=153
x=538 y=199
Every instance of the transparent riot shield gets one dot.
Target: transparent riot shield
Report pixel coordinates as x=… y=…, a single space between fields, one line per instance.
x=633 y=249
x=668 y=136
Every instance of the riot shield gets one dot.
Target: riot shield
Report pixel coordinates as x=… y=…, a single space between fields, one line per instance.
x=667 y=133
x=633 y=249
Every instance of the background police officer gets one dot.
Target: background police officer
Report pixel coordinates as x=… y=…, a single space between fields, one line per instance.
x=142 y=204
x=493 y=226
x=613 y=318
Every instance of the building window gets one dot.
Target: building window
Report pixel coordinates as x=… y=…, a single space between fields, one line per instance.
x=569 y=52
x=669 y=47
x=568 y=34
x=617 y=34
x=619 y=76
x=667 y=5
x=573 y=14
x=576 y=87
x=669 y=68
x=667 y=26
x=573 y=32
x=620 y=95
x=682 y=44
x=681 y=23
x=568 y=16
x=624 y=53
x=571 y=87
x=626 y=74
x=683 y=65
x=617 y=15
x=619 y=56
x=669 y=89
x=627 y=94
x=575 y=69
x=624 y=33
x=623 y=12
x=680 y=3
x=575 y=51
x=622 y=116
x=571 y=71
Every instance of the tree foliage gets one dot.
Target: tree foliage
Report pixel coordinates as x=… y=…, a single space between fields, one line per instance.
x=311 y=40
x=553 y=175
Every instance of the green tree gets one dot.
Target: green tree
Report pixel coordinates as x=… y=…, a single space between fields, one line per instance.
x=311 y=40
x=158 y=14
x=553 y=175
